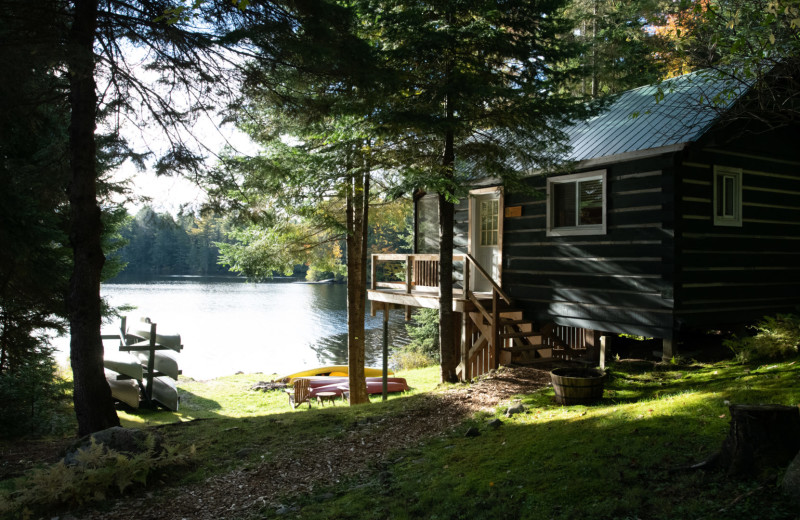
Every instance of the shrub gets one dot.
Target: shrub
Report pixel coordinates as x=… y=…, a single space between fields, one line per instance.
x=424 y=333
x=407 y=359
x=423 y=349
x=776 y=337
x=100 y=471
x=33 y=399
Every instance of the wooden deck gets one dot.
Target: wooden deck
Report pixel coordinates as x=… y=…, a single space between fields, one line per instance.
x=492 y=330
x=425 y=297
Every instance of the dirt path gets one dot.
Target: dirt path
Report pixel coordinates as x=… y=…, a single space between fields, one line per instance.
x=249 y=490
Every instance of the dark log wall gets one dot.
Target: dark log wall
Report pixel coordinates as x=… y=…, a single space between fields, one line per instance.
x=618 y=282
x=739 y=274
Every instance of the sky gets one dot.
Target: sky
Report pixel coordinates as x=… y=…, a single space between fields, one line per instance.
x=169 y=193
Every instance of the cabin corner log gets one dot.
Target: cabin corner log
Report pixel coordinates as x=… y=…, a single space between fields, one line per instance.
x=760 y=437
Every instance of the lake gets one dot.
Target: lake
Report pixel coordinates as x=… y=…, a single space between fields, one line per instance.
x=230 y=326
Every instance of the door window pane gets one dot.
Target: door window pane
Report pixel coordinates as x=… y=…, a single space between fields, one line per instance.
x=490 y=222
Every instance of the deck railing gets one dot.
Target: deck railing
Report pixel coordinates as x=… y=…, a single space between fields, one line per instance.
x=421 y=271
x=487 y=335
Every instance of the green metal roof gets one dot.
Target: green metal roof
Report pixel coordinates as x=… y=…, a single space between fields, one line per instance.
x=642 y=119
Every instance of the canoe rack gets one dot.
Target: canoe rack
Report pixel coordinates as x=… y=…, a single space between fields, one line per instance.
x=144 y=341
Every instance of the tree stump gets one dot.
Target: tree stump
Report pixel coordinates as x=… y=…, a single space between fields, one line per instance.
x=761 y=437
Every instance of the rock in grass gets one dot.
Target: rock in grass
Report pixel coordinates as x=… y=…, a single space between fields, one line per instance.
x=518 y=407
x=472 y=432
x=791 y=480
x=266 y=386
x=129 y=441
x=495 y=423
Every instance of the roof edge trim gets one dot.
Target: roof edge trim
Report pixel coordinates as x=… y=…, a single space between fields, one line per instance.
x=627 y=156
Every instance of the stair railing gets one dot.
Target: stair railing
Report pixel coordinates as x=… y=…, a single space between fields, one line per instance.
x=493 y=316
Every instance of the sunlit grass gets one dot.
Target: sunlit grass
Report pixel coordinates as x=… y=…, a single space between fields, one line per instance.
x=231 y=397
x=617 y=459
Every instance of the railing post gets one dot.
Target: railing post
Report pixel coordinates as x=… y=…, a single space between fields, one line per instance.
x=409 y=261
x=373 y=272
x=466 y=278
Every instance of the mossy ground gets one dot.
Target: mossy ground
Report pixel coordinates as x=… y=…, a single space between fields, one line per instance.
x=618 y=459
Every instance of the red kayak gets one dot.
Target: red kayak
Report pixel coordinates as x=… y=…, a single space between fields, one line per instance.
x=337 y=385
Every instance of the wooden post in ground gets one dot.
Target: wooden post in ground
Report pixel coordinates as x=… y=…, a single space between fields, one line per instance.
x=605 y=342
x=385 y=350
x=668 y=347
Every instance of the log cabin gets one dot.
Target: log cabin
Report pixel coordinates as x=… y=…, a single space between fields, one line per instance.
x=673 y=217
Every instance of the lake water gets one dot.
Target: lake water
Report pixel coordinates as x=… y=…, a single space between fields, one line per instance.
x=230 y=326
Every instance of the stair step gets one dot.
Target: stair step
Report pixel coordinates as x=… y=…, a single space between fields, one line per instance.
x=525 y=348
x=509 y=321
x=530 y=334
x=501 y=305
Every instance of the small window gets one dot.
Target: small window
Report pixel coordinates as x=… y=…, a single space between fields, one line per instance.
x=727 y=196
x=576 y=204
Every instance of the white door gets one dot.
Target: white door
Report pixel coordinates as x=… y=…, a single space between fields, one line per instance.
x=485 y=238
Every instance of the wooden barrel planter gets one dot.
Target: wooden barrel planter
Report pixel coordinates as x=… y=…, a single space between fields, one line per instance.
x=578 y=385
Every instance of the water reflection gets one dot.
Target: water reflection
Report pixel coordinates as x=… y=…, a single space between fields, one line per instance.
x=229 y=326
x=332 y=350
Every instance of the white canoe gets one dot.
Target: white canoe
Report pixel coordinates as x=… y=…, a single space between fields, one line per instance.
x=171 y=341
x=166 y=362
x=123 y=363
x=123 y=390
x=165 y=392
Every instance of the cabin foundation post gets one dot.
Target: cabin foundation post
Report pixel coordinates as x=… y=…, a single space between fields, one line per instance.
x=605 y=342
x=668 y=347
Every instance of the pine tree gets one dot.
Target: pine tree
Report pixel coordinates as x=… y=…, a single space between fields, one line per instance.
x=477 y=89
x=185 y=47
x=620 y=49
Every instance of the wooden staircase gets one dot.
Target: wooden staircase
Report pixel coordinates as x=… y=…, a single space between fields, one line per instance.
x=496 y=332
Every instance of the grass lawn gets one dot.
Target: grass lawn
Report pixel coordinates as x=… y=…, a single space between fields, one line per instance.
x=614 y=460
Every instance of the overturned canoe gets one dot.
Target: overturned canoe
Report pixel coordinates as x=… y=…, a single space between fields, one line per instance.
x=333 y=371
x=165 y=392
x=123 y=390
x=170 y=341
x=317 y=381
x=166 y=362
x=395 y=384
x=123 y=363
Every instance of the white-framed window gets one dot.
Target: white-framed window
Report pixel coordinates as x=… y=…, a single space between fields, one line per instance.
x=727 y=196
x=490 y=222
x=576 y=204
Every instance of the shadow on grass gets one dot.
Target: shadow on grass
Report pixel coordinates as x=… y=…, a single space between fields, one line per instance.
x=616 y=459
x=191 y=407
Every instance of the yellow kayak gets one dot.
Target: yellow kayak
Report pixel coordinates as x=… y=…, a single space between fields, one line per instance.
x=333 y=370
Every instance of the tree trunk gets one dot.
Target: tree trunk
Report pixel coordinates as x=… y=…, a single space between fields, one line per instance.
x=447 y=331
x=761 y=437
x=448 y=357
x=94 y=406
x=357 y=219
